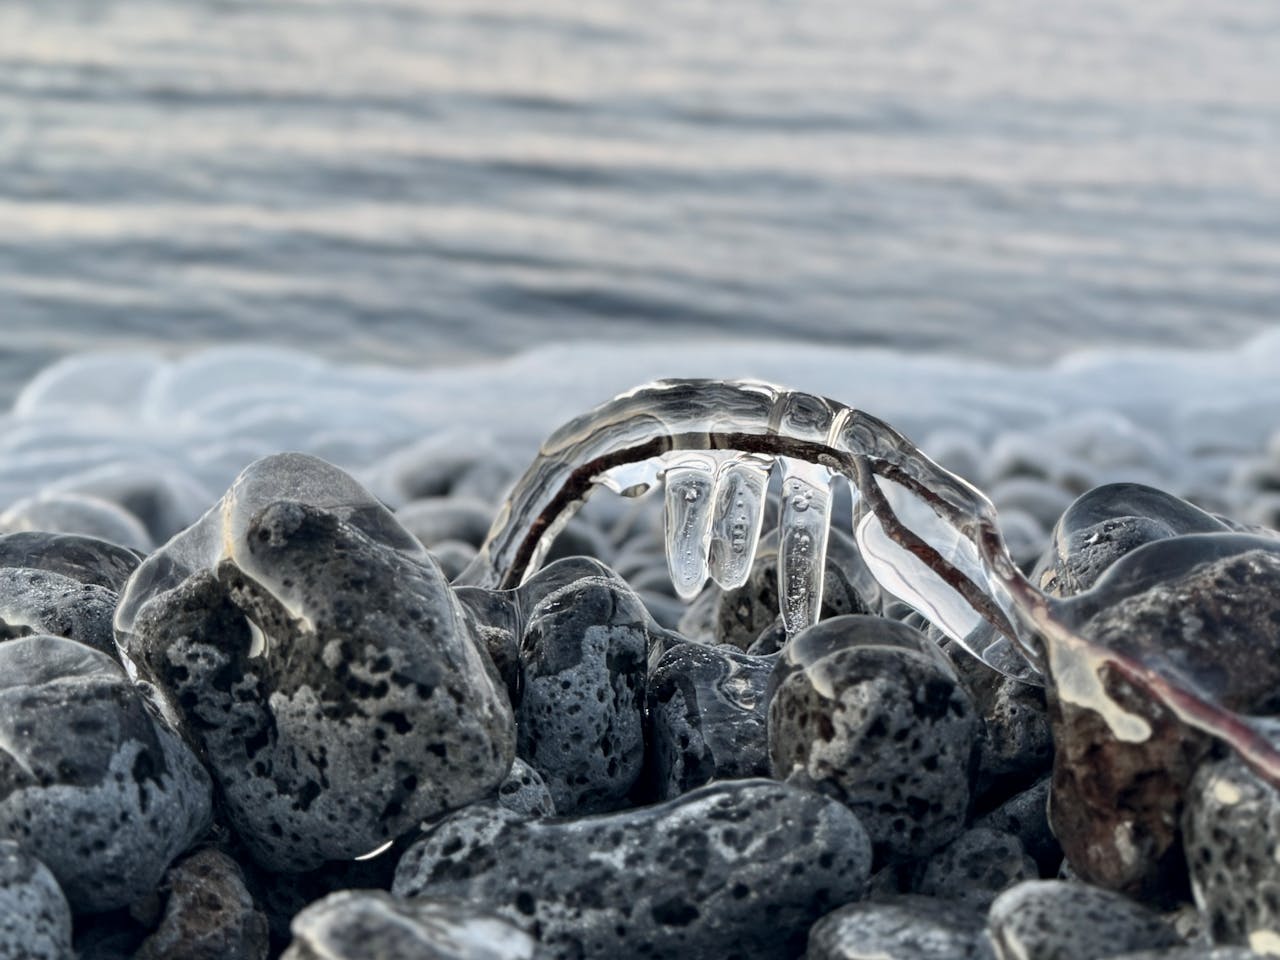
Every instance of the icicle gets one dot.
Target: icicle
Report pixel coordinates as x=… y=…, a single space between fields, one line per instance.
x=690 y=481
x=802 y=547
x=741 y=487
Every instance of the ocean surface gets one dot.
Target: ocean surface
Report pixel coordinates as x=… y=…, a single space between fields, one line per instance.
x=426 y=182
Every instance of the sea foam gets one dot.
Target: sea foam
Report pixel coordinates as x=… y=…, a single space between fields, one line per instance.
x=1202 y=424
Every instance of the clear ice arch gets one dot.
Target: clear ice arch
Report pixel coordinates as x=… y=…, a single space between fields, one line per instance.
x=926 y=535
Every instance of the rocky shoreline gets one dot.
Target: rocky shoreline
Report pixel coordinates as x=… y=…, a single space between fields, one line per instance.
x=286 y=731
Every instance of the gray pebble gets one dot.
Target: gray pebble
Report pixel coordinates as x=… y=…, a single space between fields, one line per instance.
x=901 y=928
x=362 y=924
x=707 y=717
x=322 y=664
x=525 y=792
x=1193 y=953
x=1107 y=522
x=35 y=921
x=977 y=866
x=1026 y=816
x=868 y=711
x=79 y=514
x=1058 y=920
x=583 y=654
x=739 y=869
x=209 y=914
x=1231 y=835
x=38 y=601
x=90 y=781
x=83 y=559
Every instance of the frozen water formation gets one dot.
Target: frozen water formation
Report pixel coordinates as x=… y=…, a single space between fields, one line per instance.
x=926 y=536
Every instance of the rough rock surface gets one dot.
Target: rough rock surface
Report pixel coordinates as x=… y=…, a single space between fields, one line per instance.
x=583 y=653
x=868 y=711
x=732 y=870
x=1207 y=605
x=976 y=867
x=358 y=924
x=1058 y=920
x=1231 y=832
x=38 y=601
x=209 y=914
x=35 y=921
x=901 y=928
x=707 y=717
x=91 y=782
x=1026 y=816
x=322 y=664
x=1107 y=522
x=524 y=791
x=84 y=559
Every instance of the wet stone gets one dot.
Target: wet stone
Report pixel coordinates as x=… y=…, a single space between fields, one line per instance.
x=707 y=717
x=35 y=921
x=1026 y=816
x=322 y=664
x=1017 y=743
x=1059 y=920
x=1193 y=953
x=739 y=869
x=868 y=711
x=37 y=601
x=209 y=914
x=583 y=651
x=84 y=559
x=904 y=927
x=1231 y=832
x=525 y=792
x=1207 y=605
x=977 y=866
x=91 y=782
x=78 y=514
x=1107 y=522
x=357 y=924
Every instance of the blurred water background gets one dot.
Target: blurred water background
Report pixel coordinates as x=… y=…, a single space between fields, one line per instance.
x=431 y=181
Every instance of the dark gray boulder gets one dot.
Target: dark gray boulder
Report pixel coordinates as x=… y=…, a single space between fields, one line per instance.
x=906 y=927
x=739 y=869
x=322 y=665
x=359 y=924
x=91 y=781
x=868 y=711
x=1060 y=920
x=707 y=717
x=35 y=921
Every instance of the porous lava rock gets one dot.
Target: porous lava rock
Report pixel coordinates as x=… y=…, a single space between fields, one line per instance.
x=708 y=709
x=868 y=711
x=739 y=869
x=1205 y=607
x=321 y=664
x=358 y=924
x=92 y=782
x=35 y=921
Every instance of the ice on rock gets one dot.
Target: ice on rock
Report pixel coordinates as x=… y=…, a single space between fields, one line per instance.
x=78 y=514
x=321 y=663
x=221 y=532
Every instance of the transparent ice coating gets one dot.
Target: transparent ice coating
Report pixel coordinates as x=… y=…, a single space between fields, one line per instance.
x=741 y=487
x=690 y=508
x=220 y=533
x=933 y=537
